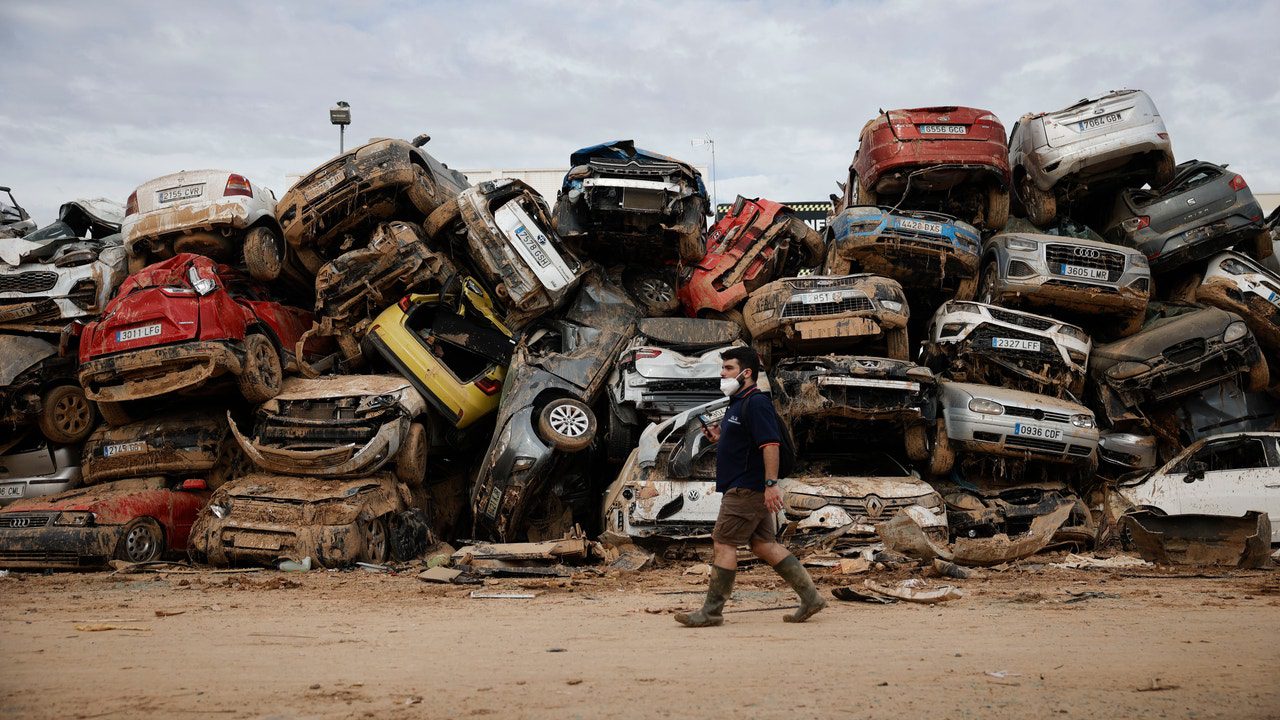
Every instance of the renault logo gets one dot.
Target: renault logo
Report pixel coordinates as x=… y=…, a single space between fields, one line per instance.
x=1087 y=252
x=875 y=506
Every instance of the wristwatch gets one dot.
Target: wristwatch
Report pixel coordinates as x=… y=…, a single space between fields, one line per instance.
x=771 y=483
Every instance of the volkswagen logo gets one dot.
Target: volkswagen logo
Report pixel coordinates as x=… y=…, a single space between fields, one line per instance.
x=694 y=495
x=875 y=506
x=1088 y=252
x=20 y=522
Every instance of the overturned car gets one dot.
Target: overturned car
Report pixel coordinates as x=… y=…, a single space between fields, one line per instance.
x=1238 y=284
x=184 y=443
x=38 y=386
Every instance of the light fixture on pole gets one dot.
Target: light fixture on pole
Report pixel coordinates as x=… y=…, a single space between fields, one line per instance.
x=340 y=115
x=715 y=207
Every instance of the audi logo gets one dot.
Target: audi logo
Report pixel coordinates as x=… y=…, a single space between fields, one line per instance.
x=1091 y=253
x=19 y=522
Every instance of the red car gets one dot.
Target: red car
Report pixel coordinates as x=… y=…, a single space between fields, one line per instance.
x=945 y=159
x=177 y=325
x=136 y=520
x=757 y=241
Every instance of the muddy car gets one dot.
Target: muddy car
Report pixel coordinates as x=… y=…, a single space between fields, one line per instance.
x=183 y=443
x=989 y=421
x=1240 y=285
x=617 y=199
x=136 y=520
x=1068 y=269
x=32 y=467
x=837 y=401
x=215 y=213
x=260 y=519
x=1121 y=453
x=986 y=344
x=1205 y=210
x=671 y=365
x=357 y=286
x=829 y=313
x=503 y=229
x=332 y=209
x=38 y=386
x=1116 y=139
x=527 y=482
x=181 y=323
x=1222 y=408
x=67 y=270
x=927 y=253
x=15 y=221
x=1181 y=349
x=757 y=241
x=950 y=159
x=340 y=426
x=974 y=512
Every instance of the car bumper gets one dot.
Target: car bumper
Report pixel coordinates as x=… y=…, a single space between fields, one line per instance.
x=1200 y=243
x=995 y=435
x=338 y=461
x=234 y=214
x=911 y=261
x=889 y=156
x=1050 y=165
x=1168 y=379
x=832 y=517
x=58 y=547
x=1127 y=294
x=150 y=372
x=65 y=479
x=230 y=542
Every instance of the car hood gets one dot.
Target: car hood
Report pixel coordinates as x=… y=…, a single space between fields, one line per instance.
x=956 y=394
x=18 y=353
x=299 y=489
x=92 y=498
x=1162 y=332
x=856 y=487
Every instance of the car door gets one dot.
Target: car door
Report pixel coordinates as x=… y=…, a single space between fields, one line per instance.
x=1229 y=476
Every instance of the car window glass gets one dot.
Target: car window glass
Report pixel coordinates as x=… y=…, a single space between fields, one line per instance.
x=1200 y=177
x=1241 y=454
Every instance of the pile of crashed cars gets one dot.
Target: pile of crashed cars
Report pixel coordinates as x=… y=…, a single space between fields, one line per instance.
x=999 y=344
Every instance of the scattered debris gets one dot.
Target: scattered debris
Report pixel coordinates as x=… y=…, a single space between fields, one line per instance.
x=104 y=628
x=903 y=534
x=848 y=594
x=1076 y=562
x=1195 y=539
x=1156 y=686
x=502 y=596
x=439 y=574
x=915 y=590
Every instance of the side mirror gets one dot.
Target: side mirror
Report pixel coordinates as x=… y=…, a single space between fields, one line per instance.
x=1195 y=472
x=421 y=140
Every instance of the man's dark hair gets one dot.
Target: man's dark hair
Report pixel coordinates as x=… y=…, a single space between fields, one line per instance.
x=747 y=359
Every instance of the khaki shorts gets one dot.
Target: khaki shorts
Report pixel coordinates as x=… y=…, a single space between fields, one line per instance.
x=744 y=519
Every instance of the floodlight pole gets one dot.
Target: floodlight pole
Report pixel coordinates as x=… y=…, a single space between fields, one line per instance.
x=715 y=206
x=340 y=115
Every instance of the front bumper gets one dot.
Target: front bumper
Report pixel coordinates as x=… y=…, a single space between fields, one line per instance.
x=65 y=479
x=229 y=542
x=70 y=548
x=338 y=461
x=1168 y=379
x=919 y=261
x=1037 y=285
x=996 y=435
x=150 y=372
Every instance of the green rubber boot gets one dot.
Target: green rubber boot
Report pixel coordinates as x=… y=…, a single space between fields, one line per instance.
x=719 y=591
x=810 y=601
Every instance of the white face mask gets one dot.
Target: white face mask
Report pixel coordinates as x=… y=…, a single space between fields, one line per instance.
x=729 y=386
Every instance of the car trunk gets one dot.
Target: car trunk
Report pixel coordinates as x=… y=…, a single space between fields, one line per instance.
x=1088 y=120
x=179 y=189
x=936 y=123
x=151 y=316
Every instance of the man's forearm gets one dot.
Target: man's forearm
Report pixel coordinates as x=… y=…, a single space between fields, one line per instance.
x=770 y=462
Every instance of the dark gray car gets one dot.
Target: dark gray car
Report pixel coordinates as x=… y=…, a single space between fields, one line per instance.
x=1205 y=210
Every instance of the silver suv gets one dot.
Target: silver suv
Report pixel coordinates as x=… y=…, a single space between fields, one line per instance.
x=1116 y=137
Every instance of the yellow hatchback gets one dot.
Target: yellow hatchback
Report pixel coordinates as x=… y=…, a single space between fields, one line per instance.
x=451 y=346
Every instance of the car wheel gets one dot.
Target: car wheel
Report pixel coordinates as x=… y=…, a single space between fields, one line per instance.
x=1041 y=205
x=567 y=424
x=621 y=439
x=422 y=191
x=141 y=541
x=1259 y=375
x=692 y=247
x=1164 y=170
x=375 y=540
x=1263 y=246
x=997 y=208
x=654 y=290
x=1184 y=289
x=897 y=344
x=441 y=218
x=261 y=374
x=136 y=263
x=967 y=288
x=67 y=416
x=411 y=458
x=262 y=254
x=941 y=457
x=550 y=519
x=210 y=244
x=917 y=443
x=987 y=292
x=115 y=413
x=808 y=243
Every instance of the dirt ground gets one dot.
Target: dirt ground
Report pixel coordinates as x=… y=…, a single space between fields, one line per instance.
x=357 y=644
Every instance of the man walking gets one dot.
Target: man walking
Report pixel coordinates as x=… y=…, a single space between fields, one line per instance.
x=747 y=456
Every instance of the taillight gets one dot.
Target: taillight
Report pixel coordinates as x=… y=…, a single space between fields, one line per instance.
x=488 y=385
x=403 y=304
x=195 y=484
x=1135 y=224
x=131 y=206
x=237 y=185
x=1163 y=136
x=1238 y=183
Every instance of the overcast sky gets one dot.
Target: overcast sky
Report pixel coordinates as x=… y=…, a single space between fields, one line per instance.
x=99 y=97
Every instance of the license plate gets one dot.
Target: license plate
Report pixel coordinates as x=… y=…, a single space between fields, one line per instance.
x=124 y=449
x=12 y=491
x=818 y=298
x=180 y=193
x=714 y=416
x=1275 y=299
x=254 y=541
x=1000 y=343
x=921 y=226
x=323 y=184
x=137 y=333
x=535 y=250
x=1036 y=431
x=941 y=129
x=1099 y=121
x=1087 y=273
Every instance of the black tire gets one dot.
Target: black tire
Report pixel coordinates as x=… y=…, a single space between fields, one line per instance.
x=1041 y=205
x=897 y=344
x=261 y=375
x=411 y=458
x=441 y=218
x=262 y=254
x=1263 y=246
x=142 y=540
x=653 y=290
x=1259 y=377
x=942 y=457
x=692 y=247
x=377 y=541
x=967 y=288
x=987 y=286
x=567 y=424
x=1163 y=171
x=916 y=440
x=422 y=191
x=997 y=208
x=621 y=439
x=67 y=415
x=732 y=315
x=115 y=413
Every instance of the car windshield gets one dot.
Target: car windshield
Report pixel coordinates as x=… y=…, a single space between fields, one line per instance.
x=1065 y=228
x=1159 y=313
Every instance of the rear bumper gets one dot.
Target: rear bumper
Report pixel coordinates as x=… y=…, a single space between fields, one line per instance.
x=58 y=547
x=151 y=372
x=888 y=155
x=1049 y=165
x=228 y=542
x=232 y=214
x=1168 y=379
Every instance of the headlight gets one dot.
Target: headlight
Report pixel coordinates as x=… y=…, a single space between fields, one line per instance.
x=1235 y=267
x=1077 y=357
x=1138 y=260
x=963 y=306
x=75 y=519
x=1074 y=332
x=220 y=511
x=1082 y=420
x=891 y=305
x=522 y=463
x=805 y=503
x=1235 y=331
x=986 y=407
x=1121 y=371
x=1017 y=243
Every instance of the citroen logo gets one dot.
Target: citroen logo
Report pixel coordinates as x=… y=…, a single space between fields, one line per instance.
x=875 y=506
x=1191 y=201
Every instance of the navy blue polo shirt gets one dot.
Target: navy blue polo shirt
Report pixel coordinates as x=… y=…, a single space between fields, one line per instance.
x=749 y=424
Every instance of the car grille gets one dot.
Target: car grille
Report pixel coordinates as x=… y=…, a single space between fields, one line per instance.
x=696 y=385
x=813 y=283
x=283 y=513
x=26 y=520
x=1185 y=352
x=1057 y=255
x=317 y=436
x=889 y=506
x=1028 y=321
x=1036 y=414
x=1035 y=444
x=60 y=558
x=855 y=303
x=983 y=337
x=29 y=282
x=1080 y=450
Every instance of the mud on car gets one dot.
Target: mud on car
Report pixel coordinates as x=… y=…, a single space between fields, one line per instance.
x=982 y=512
x=979 y=343
x=333 y=208
x=184 y=443
x=503 y=230
x=15 y=221
x=950 y=159
x=828 y=313
x=1238 y=284
x=928 y=253
x=38 y=386
x=181 y=323
x=617 y=199
x=31 y=466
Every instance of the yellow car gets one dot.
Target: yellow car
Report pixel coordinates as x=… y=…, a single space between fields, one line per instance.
x=451 y=346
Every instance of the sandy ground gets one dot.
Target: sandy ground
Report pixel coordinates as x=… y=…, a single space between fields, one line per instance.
x=356 y=644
